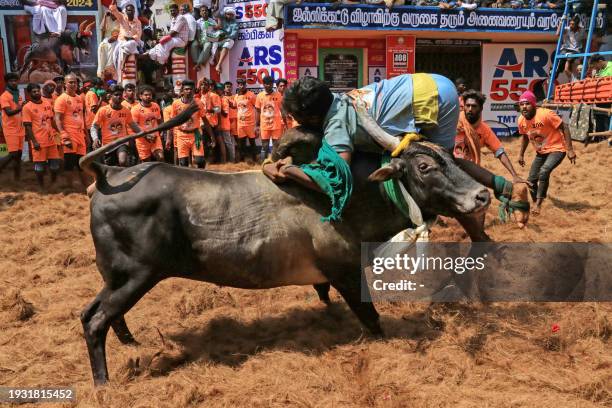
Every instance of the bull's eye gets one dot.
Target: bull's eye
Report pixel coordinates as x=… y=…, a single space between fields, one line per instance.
x=423 y=167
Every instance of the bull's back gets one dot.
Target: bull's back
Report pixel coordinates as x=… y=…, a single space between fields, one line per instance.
x=235 y=229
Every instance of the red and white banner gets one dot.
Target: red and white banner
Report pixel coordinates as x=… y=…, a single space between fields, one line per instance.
x=256 y=52
x=400 y=55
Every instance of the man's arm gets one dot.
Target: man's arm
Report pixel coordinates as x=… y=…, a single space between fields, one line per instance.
x=95 y=135
x=563 y=18
x=524 y=143
x=13 y=112
x=567 y=140
x=135 y=127
x=30 y=135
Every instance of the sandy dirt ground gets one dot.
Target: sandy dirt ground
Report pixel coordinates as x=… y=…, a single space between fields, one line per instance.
x=203 y=345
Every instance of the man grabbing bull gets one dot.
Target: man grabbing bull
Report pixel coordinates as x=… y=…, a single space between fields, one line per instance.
x=371 y=119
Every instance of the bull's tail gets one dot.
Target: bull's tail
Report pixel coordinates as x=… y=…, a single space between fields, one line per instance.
x=99 y=171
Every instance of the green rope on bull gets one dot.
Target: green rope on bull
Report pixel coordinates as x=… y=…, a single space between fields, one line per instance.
x=393 y=191
x=503 y=192
x=333 y=174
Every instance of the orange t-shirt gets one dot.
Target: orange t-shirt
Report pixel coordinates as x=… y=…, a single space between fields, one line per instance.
x=543 y=130
x=486 y=137
x=91 y=99
x=40 y=115
x=113 y=123
x=11 y=125
x=71 y=109
x=167 y=112
x=270 y=108
x=211 y=100
x=233 y=112
x=245 y=106
x=225 y=123
x=186 y=129
x=147 y=117
x=51 y=100
x=128 y=105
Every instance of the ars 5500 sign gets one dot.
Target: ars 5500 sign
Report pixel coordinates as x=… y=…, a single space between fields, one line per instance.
x=502 y=89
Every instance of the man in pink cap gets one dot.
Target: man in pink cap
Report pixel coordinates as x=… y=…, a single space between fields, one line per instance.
x=551 y=140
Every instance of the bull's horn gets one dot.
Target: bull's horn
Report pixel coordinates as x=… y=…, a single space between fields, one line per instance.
x=90 y=26
x=384 y=139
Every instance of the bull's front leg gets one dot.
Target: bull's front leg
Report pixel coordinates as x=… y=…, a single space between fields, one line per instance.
x=473 y=224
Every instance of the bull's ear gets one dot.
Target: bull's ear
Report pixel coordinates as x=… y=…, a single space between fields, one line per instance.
x=391 y=170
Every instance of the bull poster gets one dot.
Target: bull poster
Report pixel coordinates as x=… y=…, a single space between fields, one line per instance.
x=507 y=71
x=256 y=52
x=42 y=42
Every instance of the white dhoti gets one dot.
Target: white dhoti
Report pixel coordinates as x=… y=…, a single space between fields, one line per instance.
x=45 y=19
x=121 y=51
x=106 y=58
x=161 y=52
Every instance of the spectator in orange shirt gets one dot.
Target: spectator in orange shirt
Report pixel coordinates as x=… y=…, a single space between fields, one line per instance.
x=168 y=140
x=189 y=141
x=94 y=99
x=70 y=123
x=228 y=94
x=59 y=87
x=212 y=106
x=12 y=126
x=225 y=126
x=269 y=116
x=147 y=114
x=245 y=115
x=48 y=89
x=473 y=134
x=289 y=122
x=551 y=140
x=38 y=123
x=112 y=122
x=129 y=96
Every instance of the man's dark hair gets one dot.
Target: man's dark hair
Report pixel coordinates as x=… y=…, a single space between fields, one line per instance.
x=10 y=76
x=477 y=96
x=268 y=80
x=307 y=96
x=188 y=82
x=130 y=86
x=173 y=5
x=144 y=88
x=32 y=86
x=596 y=58
x=115 y=88
x=240 y=81
x=576 y=19
x=460 y=81
x=58 y=78
x=96 y=82
x=281 y=81
x=228 y=83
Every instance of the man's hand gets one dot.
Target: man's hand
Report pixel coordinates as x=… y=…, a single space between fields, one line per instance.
x=571 y=155
x=272 y=170
x=521 y=161
x=517 y=179
x=150 y=138
x=96 y=144
x=168 y=145
x=36 y=145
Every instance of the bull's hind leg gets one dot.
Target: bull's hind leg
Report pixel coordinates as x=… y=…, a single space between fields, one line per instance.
x=323 y=292
x=349 y=286
x=110 y=305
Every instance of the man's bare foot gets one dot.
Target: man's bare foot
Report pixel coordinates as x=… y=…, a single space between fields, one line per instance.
x=536 y=210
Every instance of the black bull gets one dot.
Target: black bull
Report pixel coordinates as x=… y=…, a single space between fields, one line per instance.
x=156 y=221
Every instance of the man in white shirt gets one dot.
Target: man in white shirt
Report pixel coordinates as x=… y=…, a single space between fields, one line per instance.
x=178 y=37
x=191 y=21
